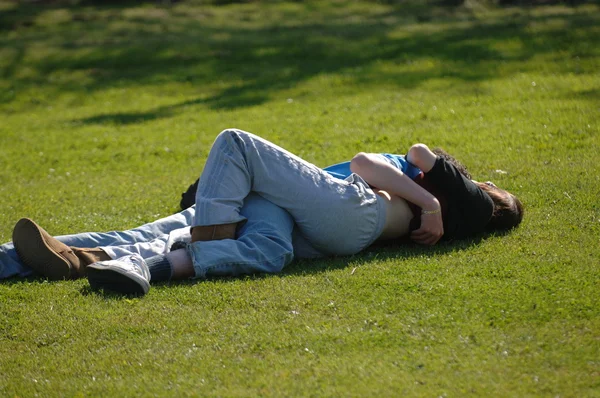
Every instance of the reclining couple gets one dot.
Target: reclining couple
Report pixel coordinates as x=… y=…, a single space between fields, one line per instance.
x=258 y=206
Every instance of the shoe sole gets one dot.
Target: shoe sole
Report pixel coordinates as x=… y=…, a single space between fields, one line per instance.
x=35 y=252
x=116 y=280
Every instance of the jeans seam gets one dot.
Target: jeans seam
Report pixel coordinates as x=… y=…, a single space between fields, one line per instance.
x=216 y=266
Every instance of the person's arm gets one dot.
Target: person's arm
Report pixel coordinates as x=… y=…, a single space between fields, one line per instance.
x=380 y=174
x=421 y=156
x=475 y=206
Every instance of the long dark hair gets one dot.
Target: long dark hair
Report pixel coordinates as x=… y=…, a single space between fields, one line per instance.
x=452 y=160
x=508 y=209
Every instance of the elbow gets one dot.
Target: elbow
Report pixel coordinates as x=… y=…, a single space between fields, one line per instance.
x=359 y=162
x=417 y=152
x=419 y=155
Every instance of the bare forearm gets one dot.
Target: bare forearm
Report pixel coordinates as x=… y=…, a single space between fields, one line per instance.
x=382 y=175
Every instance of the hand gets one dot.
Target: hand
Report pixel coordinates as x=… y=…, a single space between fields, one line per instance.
x=431 y=230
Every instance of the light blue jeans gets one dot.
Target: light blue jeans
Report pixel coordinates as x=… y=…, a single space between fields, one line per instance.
x=333 y=216
x=309 y=214
x=147 y=240
x=268 y=238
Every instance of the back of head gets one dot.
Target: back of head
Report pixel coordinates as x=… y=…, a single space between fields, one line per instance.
x=452 y=160
x=508 y=209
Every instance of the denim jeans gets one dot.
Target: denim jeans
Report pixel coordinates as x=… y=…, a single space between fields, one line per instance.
x=309 y=214
x=265 y=243
x=336 y=217
x=161 y=233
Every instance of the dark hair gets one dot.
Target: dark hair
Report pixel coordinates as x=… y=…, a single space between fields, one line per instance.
x=452 y=160
x=508 y=209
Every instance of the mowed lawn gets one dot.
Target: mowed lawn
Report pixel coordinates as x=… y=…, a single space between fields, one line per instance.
x=107 y=113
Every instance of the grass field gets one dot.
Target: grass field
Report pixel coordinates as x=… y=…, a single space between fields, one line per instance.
x=107 y=113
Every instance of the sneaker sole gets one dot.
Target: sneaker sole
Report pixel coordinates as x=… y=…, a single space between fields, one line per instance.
x=116 y=280
x=35 y=252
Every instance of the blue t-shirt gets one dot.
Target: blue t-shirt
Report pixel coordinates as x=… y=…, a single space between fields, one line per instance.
x=342 y=170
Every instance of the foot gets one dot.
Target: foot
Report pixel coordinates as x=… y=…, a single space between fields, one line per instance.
x=44 y=254
x=128 y=275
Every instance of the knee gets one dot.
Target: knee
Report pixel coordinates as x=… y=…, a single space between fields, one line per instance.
x=230 y=138
x=230 y=135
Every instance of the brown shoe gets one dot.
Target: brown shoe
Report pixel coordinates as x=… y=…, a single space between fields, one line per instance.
x=44 y=254
x=89 y=256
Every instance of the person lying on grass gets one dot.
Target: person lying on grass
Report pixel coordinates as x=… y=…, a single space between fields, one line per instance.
x=258 y=205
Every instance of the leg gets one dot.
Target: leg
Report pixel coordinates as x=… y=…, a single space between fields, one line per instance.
x=148 y=248
x=263 y=244
x=11 y=264
x=335 y=216
x=144 y=233
x=55 y=260
x=50 y=257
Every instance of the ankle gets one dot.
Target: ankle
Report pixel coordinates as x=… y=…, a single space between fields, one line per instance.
x=160 y=268
x=86 y=257
x=181 y=264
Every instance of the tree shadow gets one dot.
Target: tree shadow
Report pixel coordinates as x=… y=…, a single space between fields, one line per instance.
x=239 y=66
x=591 y=94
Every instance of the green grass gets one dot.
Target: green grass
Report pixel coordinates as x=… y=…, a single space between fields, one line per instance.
x=107 y=114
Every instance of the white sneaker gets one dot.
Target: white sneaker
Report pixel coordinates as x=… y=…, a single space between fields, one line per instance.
x=129 y=275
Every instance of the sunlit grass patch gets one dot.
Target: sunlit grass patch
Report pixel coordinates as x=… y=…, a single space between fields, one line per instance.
x=108 y=111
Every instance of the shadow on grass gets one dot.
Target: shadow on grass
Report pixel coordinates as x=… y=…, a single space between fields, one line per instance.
x=241 y=65
x=106 y=294
x=380 y=252
x=304 y=267
x=592 y=94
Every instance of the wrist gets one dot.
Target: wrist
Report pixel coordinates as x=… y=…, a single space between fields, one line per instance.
x=427 y=212
x=432 y=207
